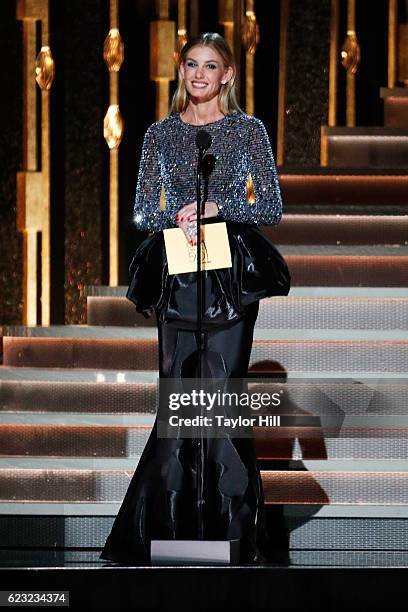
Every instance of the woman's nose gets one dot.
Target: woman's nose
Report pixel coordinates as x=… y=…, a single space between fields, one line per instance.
x=199 y=72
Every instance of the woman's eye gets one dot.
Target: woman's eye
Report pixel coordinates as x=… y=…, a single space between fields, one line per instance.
x=191 y=65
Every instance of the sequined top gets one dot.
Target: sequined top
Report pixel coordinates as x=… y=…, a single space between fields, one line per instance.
x=169 y=156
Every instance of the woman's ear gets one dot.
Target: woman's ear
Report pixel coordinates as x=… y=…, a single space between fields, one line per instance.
x=181 y=71
x=229 y=73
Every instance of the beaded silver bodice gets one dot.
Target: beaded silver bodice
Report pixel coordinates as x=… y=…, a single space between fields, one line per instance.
x=169 y=156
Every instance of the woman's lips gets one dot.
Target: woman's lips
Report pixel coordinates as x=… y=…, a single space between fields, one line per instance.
x=199 y=84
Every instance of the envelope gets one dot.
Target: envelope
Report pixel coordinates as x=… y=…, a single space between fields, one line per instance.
x=215 y=249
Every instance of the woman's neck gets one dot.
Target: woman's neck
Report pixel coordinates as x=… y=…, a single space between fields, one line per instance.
x=198 y=117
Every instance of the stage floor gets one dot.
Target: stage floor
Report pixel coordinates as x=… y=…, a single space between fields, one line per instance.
x=322 y=559
x=94 y=585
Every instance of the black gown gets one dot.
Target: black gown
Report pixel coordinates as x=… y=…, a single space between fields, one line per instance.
x=160 y=502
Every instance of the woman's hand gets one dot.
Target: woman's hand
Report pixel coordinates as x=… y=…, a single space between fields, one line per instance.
x=189 y=211
x=190 y=230
x=186 y=219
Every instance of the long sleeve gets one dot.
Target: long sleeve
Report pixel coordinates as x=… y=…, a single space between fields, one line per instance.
x=147 y=214
x=267 y=209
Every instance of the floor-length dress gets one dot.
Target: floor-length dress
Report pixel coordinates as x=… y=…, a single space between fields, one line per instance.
x=160 y=500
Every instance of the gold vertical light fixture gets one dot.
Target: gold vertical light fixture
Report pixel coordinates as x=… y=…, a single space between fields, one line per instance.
x=250 y=40
x=226 y=19
x=181 y=27
x=33 y=182
x=162 y=50
x=334 y=49
x=350 y=58
x=231 y=17
x=392 y=42
x=113 y=54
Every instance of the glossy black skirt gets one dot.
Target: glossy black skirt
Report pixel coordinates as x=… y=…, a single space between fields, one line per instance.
x=161 y=498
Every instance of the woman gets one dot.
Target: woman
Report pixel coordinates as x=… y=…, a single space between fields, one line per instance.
x=160 y=501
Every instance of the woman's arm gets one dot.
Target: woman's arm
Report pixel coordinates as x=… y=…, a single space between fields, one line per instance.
x=267 y=209
x=147 y=214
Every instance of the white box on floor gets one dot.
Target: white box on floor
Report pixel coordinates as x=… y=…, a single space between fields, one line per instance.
x=194 y=552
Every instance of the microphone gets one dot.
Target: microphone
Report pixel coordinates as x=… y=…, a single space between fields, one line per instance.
x=207 y=166
x=203 y=140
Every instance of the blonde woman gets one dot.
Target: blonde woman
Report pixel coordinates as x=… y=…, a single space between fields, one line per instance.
x=161 y=499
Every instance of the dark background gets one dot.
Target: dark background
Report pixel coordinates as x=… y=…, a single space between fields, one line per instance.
x=80 y=97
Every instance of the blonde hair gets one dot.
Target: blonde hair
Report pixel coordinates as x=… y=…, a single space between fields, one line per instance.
x=227 y=97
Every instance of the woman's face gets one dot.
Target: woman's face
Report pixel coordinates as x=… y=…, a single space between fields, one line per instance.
x=204 y=72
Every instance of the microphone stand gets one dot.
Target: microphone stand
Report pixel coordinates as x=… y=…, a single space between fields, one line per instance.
x=200 y=462
x=204 y=167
